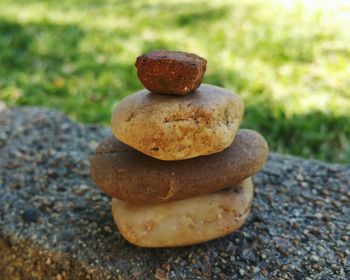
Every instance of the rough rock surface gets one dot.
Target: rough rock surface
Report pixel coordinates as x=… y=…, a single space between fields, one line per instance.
x=54 y=224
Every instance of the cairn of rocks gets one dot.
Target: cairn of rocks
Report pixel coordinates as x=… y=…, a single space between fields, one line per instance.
x=177 y=167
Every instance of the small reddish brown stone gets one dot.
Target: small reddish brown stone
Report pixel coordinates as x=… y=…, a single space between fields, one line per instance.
x=170 y=72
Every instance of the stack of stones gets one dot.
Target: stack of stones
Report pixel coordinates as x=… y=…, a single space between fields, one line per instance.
x=178 y=169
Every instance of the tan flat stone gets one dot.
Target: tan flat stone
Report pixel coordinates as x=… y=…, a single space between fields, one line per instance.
x=175 y=128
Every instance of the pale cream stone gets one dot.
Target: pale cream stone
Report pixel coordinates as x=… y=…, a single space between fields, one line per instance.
x=184 y=222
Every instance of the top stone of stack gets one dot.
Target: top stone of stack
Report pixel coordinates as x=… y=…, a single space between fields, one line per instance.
x=170 y=72
x=164 y=121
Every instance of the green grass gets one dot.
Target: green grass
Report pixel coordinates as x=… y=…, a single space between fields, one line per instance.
x=289 y=62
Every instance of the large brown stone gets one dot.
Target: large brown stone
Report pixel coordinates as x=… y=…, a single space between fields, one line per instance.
x=129 y=175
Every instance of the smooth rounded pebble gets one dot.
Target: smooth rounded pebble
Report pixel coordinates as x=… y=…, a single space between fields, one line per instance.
x=126 y=174
x=184 y=222
x=173 y=128
x=170 y=72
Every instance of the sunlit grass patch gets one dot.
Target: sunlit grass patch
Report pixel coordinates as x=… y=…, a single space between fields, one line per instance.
x=289 y=60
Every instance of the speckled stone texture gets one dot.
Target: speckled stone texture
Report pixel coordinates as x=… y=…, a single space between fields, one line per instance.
x=55 y=224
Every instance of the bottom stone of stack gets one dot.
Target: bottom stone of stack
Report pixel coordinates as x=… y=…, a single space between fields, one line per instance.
x=184 y=222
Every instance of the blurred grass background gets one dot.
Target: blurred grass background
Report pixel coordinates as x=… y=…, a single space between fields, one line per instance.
x=289 y=60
